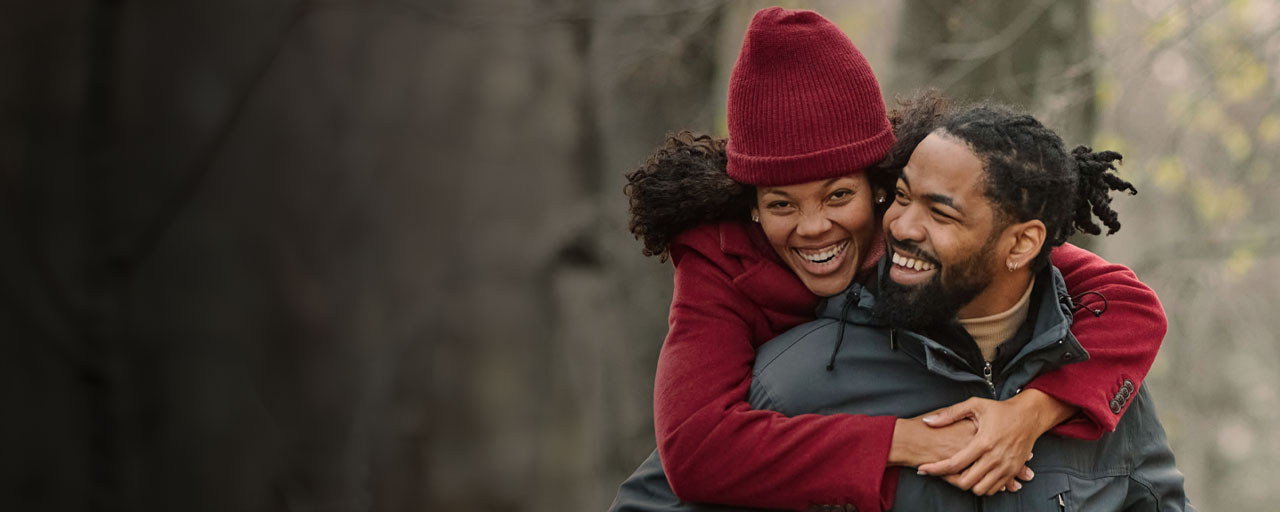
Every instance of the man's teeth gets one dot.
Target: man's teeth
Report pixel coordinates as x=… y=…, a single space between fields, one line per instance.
x=826 y=255
x=913 y=263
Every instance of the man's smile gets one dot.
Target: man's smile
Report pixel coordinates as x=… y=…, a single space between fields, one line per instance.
x=907 y=270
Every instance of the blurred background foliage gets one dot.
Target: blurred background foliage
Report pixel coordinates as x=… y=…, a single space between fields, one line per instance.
x=372 y=255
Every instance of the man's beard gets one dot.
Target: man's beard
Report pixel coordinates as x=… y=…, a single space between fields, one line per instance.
x=916 y=307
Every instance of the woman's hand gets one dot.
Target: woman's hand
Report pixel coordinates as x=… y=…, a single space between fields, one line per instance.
x=916 y=443
x=1006 y=432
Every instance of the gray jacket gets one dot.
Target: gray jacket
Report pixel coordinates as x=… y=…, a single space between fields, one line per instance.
x=884 y=371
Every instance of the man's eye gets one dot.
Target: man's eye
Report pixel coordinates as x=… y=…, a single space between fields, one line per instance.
x=940 y=213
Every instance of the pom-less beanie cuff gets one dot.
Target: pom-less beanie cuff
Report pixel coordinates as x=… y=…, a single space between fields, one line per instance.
x=774 y=171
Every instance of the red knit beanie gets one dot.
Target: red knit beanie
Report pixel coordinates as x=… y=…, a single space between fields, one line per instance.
x=803 y=103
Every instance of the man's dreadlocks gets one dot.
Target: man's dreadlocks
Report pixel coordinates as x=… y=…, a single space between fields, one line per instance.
x=1029 y=173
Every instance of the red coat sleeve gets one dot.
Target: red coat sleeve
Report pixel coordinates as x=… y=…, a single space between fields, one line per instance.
x=715 y=448
x=1122 y=342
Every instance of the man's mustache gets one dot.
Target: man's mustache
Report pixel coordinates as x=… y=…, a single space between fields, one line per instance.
x=910 y=249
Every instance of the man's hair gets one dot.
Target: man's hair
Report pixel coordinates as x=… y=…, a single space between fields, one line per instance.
x=1028 y=172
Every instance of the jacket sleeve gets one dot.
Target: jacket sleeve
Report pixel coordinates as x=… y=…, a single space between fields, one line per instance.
x=1122 y=342
x=715 y=448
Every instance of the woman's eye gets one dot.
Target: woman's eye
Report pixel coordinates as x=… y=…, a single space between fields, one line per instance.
x=779 y=204
x=841 y=194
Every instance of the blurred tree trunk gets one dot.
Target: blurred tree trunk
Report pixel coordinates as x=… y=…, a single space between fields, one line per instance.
x=1037 y=54
x=606 y=82
x=333 y=256
x=56 y=456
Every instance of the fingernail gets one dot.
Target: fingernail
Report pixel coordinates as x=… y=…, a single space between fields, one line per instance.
x=1015 y=487
x=1033 y=473
x=1031 y=457
x=921 y=472
x=931 y=418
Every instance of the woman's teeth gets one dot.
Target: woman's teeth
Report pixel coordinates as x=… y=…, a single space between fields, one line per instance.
x=912 y=263
x=825 y=255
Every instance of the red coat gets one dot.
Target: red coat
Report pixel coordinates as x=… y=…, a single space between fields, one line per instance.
x=733 y=293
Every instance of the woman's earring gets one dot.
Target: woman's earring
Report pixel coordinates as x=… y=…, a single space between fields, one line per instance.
x=755 y=219
x=1013 y=266
x=882 y=197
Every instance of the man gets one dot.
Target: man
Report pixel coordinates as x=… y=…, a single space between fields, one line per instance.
x=966 y=306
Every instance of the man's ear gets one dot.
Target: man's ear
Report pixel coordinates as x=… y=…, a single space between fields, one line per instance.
x=1028 y=238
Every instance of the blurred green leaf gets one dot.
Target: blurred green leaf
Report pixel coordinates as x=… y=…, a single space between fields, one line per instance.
x=1163 y=29
x=1170 y=174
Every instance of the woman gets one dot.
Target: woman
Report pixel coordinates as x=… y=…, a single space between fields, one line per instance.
x=761 y=228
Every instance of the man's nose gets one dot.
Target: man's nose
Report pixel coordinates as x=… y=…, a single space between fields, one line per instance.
x=813 y=224
x=907 y=225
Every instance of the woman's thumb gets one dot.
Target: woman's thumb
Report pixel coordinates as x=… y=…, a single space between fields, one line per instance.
x=947 y=415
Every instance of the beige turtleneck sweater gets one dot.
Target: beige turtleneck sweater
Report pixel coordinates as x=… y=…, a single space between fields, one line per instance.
x=991 y=331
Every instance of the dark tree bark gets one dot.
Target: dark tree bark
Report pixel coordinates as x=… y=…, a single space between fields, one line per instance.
x=333 y=256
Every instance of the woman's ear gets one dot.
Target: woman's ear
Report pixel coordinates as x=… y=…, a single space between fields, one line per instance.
x=1028 y=238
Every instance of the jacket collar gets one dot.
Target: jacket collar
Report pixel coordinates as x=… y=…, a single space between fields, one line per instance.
x=1051 y=345
x=746 y=240
x=766 y=279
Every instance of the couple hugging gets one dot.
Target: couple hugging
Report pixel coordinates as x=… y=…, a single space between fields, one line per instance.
x=879 y=311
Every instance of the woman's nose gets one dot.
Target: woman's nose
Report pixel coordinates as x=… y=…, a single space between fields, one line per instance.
x=813 y=224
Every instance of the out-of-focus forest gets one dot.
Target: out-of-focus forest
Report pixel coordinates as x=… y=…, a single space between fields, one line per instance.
x=298 y=255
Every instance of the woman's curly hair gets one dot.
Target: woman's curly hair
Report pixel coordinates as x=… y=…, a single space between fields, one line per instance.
x=684 y=183
x=1029 y=173
x=681 y=185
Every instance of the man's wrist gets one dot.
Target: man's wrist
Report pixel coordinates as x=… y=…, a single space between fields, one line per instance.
x=901 y=448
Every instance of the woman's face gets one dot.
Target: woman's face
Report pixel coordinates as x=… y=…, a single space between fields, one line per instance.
x=821 y=229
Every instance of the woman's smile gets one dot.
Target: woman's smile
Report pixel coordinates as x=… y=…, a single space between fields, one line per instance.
x=822 y=259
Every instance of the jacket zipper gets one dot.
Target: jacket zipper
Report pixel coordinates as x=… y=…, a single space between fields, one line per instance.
x=986 y=374
x=1062 y=504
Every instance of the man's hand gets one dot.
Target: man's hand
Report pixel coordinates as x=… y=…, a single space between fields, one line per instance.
x=1006 y=432
x=915 y=443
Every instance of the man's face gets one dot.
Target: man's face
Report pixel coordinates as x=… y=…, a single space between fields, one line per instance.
x=941 y=235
